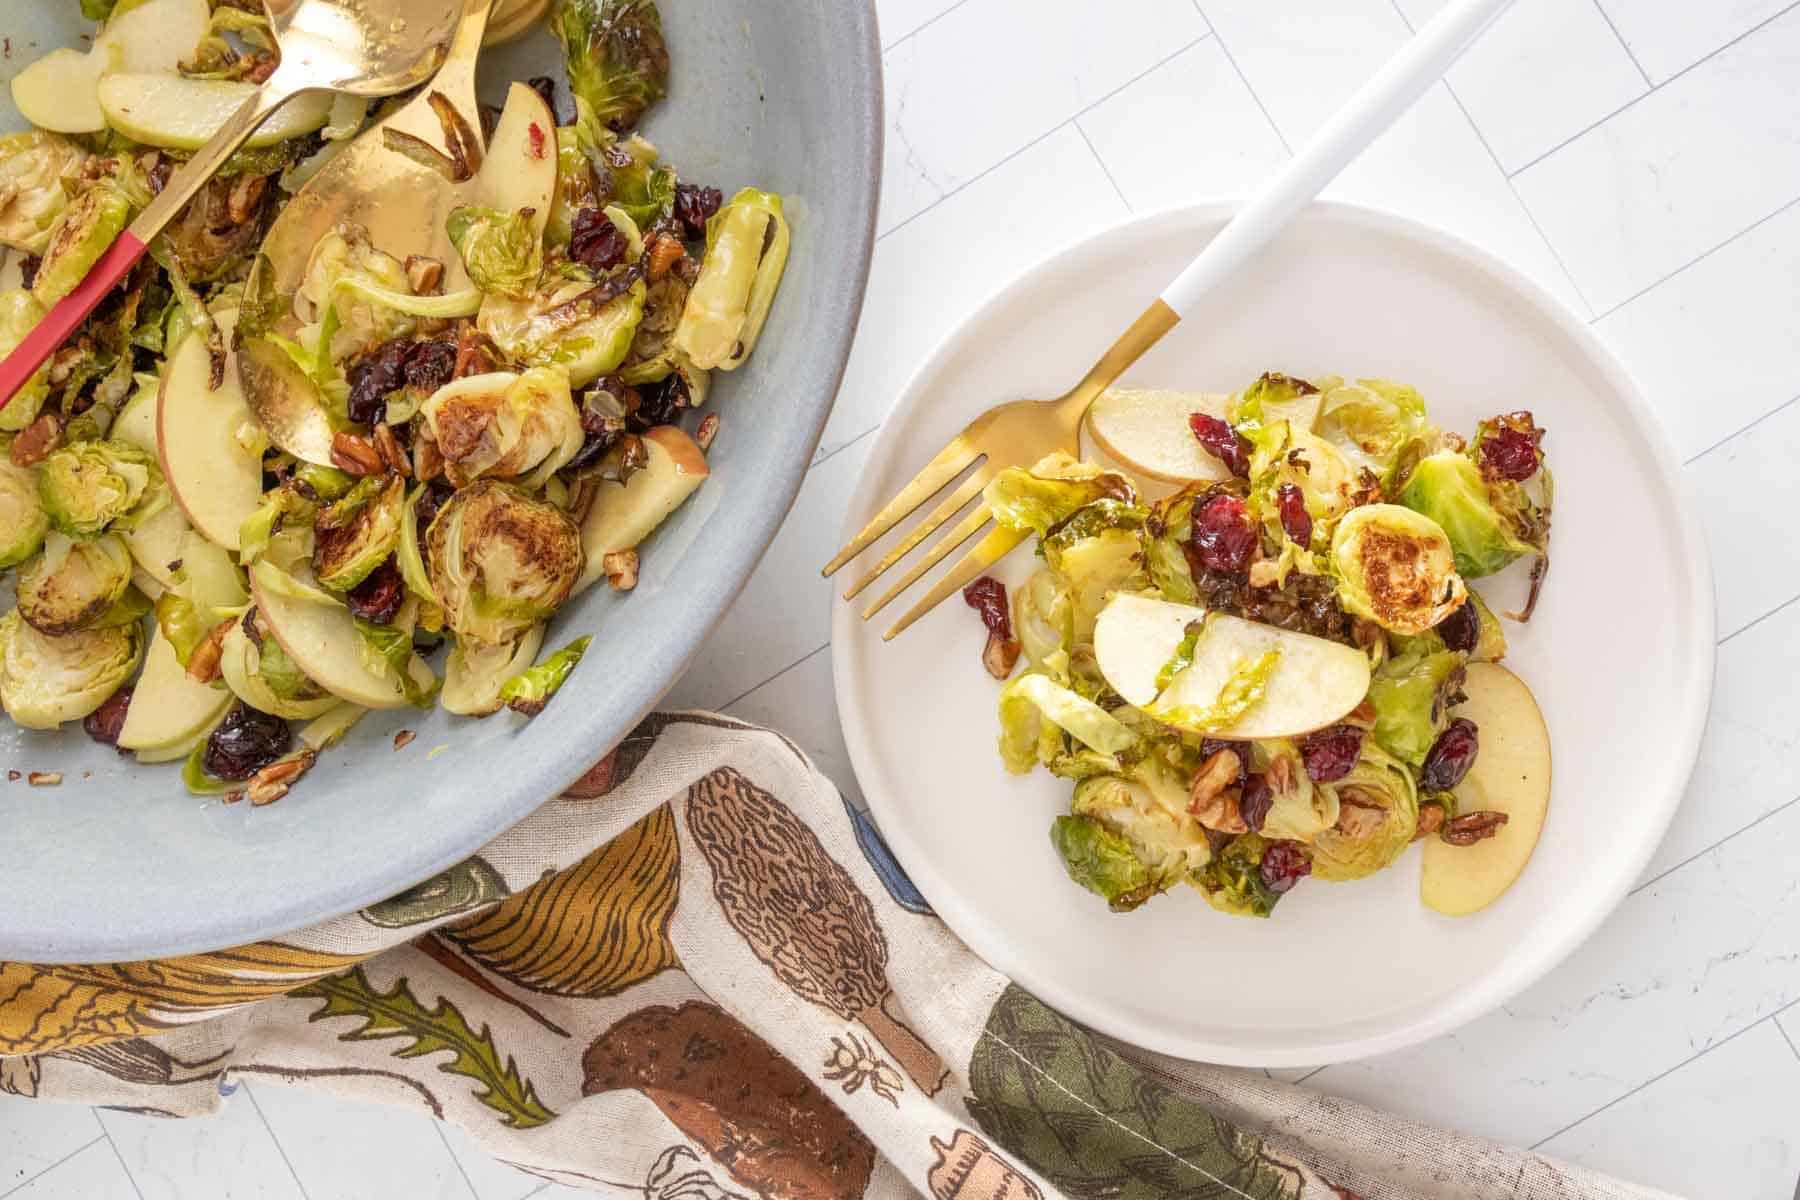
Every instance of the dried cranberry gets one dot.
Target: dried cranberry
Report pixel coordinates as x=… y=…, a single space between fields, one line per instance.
x=1222 y=442
x=1296 y=522
x=1450 y=757
x=376 y=375
x=987 y=596
x=1461 y=630
x=436 y=493
x=245 y=742
x=1330 y=753
x=1255 y=801
x=1509 y=447
x=105 y=722
x=694 y=206
x=595 y=242
x=1283 y=865
x=28 y=269
x=1223 y=539
x=378 y=597
x=660 y=403
x=430 y=365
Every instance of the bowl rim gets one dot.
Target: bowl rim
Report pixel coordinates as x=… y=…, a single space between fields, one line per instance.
x=1524 y=970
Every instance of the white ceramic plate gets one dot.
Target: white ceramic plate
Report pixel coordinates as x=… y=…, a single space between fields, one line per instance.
x=1620 y=653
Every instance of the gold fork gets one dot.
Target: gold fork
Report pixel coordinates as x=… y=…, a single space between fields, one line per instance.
x=1023 y=431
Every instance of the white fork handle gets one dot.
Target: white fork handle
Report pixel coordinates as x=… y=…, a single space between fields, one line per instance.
x=1401 y=80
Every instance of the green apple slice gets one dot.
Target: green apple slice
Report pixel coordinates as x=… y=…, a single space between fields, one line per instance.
x=157 y=542
x=60 y=91
x=624 y=515
x=1314 y=683
x=520 y=168
x=1146 y=430
x=178 y=113
x=322 y=640
x=239 y=661
x=168 y=707
x=215 y=479
x=1511 y=775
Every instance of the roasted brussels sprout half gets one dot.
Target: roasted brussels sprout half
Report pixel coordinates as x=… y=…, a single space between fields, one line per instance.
x=1448 y=488
x=354 y=535
x=530 y=690
x=584 y=329
x=1103 y=862
x=1378 y=813
x=505 y=426
x=36 y=172
x=617 y=60
x=502 y=251
x=1396 y=567
x=79 y=585
x=87 y=486
x=23 y=521
x=746 y=253
x=1146 y=811
x=1412 y=694
x=81 y=234
x=500 y=561
x=19 y=314
x=1372 y=422
x=47 y=680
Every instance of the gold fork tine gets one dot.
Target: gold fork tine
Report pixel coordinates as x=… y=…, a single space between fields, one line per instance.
x=956 y=502
x=989 y=550
x=950 y=462
x=965 y=529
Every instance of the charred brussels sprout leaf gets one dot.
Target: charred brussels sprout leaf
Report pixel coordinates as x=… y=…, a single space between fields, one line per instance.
x=518 y=427
x=584 y=329
x=500 y=561
x=23 y=521
x=618 y=63
x=502 y=251
x=78 y=585
x=1233 y=883
x=87 y=486
x=1411 y=694
x=746 y=252
x=529 y=691
x=1103 y=862
x=354 y=535
x=45 y=680
x=1396 y=567
x=36 y=169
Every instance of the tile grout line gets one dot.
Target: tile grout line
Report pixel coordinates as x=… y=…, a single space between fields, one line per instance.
x=1104 y=169
x=1702 y=853
x=1244 y=79
x=832 y=453
x=908 y=36
x=30 y=1179
x=798 y=662
x=123 y=1165
x=1782 y=1030
x=1788 y=603
x=243 y=1086
x=1704 y=254
x=1737 y=433
x=1657 y=87
x=438 y=1128
x=1623 y=44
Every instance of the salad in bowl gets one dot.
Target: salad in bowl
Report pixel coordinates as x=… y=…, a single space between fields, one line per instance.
x=1253 y=649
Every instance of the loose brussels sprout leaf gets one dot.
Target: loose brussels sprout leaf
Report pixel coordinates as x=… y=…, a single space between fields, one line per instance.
x=23 y=521
x=1181 y=659
x=746 y=252
x=1377 y=817
x=36 y=172
x=87 y=486
x=1170 y=527
x=584 y=329
x=617 y=61
x=1371 y=422
x=577 y=185
x=327 y=483
x=1033 y=702
x=500 y=561
x=643 y=191
x=76 y=585
x=1490 y=643
x=388 y=650
x=354 y=535
x=80 y=236
x=182 y=625
x=352 y=298
x=1103 y=862
x=518 y=427
x=1094 y=568
x=282 y=507
x=412 y=564
x=502 y=251
x=1242 y=691
x=198 y=780
x=1396 y=567
x=476 y=671
x=266 y=679
x=19 y=314
x=1449 y=489
x=1042 y=618
x=529 y=691
x=1411 y=694
x=1232 y=882
x=1049 y=493
x=46 y=680
x=1273 y=397
x=283 y=674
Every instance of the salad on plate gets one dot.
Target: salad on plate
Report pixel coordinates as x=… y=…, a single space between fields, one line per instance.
x=508 y=426
x=1252 y=648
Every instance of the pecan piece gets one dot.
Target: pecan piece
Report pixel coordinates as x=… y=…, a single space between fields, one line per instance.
x=273 y=781
x=709 y=429
x=1213 y=798
x=355 y=455
x=36 y=440
x=424 y=274
x=203 y=663
x=621 y=568
x=1470 y=828
x=393 y=455
x=1431 y=819
x=661 y=254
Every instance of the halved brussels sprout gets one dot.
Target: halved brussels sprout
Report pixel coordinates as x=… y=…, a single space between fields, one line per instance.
x=1448 y=488
x=578 y=327
x=23 y=521
x=1396 y=567
x=79 y=585
x=36 y=171
x=746 y=252
x=354 y=535
x=530 y=690
x=501 y=251
x=1102 y=861
x=83 y=231
x=19 y=314
x=46 y=680
x=1372 y=421
x=618 y=63
x=87 y=486
x=1378 y=814
x=500 y=561
x=1411 y=694
x=519 y=427
x=1146 y=815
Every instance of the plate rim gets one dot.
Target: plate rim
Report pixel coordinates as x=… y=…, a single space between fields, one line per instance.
x=1493 y=990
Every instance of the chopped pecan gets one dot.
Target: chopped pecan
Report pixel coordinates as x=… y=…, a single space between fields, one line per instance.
x=428 y=460
x=661 y=254
x=1213 y=798
x=392 y=453
x=1281 y=774
x=355 y=455
x=36 y=440
x=621 y=568
x=1431 y=819
x=203 y=663
x=44 y=778
x=709 y=429
x=1000 y=655
x=245 y=197
x=424 y=274
x=403 y=739
x=1265 y=572
x=273 y=781
x=1470 y=828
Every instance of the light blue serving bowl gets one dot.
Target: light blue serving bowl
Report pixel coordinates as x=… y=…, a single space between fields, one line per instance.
x=120 y=862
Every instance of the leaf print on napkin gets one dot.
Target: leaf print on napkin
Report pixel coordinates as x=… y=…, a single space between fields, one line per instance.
x=397 y=1013
x=594 y=929
x=801 y=913
x=469 y=884
x=732 y=1094
x=1095 y=1125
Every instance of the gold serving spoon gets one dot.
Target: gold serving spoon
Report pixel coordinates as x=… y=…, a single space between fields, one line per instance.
x=369 y=48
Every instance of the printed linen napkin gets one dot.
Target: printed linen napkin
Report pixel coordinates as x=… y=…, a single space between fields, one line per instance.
x=697 y=976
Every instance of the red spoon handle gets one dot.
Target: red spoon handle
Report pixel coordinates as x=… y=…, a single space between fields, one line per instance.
x=69 y=313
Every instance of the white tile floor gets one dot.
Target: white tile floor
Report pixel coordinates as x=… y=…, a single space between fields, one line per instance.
x=1638 y=157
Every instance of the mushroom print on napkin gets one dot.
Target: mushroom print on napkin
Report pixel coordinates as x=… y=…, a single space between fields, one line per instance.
x=697 y=976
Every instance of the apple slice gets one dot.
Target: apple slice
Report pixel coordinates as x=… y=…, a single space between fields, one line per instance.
x=215 y=480
x=1511 y=775
x=168 y=707
x=520 y=168
x=1146 y=430
x=60 y=91
x=1315 y=682
x=322 y=639
x=136 y=422
x=157 y=542
x=179 y=113
x=239 y=660
x=623 y=516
